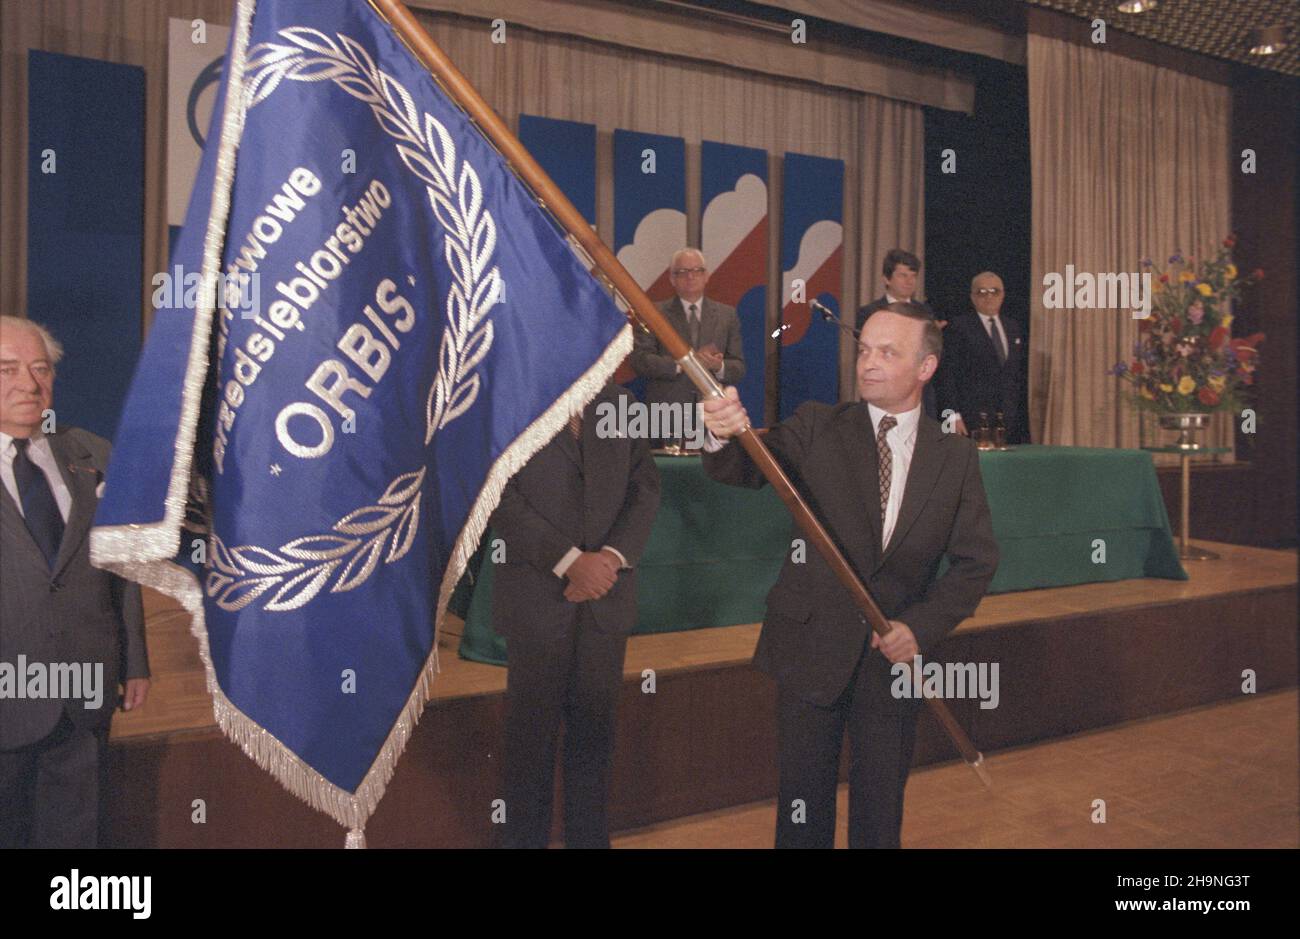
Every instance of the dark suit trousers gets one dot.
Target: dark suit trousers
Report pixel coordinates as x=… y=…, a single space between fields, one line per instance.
x=809 y=741
x=574 y=679
x=49 y=791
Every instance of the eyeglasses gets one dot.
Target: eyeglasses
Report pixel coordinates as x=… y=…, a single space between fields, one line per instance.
x=988 y=291
x=683 y=271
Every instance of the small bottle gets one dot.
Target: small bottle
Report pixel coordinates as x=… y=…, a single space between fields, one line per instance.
x=982 y=435
x=1000 y=433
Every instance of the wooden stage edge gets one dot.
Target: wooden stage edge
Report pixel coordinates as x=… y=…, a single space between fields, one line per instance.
x=1070 y=659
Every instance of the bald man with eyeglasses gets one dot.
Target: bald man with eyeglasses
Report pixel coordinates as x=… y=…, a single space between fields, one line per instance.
x=984 y=360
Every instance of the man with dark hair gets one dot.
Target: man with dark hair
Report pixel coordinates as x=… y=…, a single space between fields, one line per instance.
x=59 y=615
x=898 y=496
x=901 y=269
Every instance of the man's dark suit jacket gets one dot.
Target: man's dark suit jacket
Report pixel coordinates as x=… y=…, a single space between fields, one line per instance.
x=603 y=492
x=813 y=635
x=718 y=325
x=76 y=613
x=970 y=380
x=929 y=398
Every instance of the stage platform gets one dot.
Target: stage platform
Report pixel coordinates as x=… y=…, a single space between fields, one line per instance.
x=1070 y=659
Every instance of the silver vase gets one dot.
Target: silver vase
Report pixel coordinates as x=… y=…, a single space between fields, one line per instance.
x=1187 y=425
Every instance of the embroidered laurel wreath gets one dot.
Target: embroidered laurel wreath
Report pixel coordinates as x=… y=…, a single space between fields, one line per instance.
x=302 y=567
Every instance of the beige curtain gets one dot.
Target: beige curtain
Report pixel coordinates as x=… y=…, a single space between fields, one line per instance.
x=1128 y=161
x=879 y=139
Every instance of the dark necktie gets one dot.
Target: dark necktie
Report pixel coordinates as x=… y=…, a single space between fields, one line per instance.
x=40 y=508
x=996 y=332
x=693 y=324
x=886 y=458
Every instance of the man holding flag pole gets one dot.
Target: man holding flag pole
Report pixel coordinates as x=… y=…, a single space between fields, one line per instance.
x=309 y=476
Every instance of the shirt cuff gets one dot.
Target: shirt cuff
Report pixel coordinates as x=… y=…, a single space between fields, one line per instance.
x=721 y=370
x=566 y=562
x=712 y=444
x=622 y=561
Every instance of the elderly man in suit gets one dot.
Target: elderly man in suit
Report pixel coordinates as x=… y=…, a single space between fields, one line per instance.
x=901 y=269
x=59 y=614
x=712 y=328
x=898 y=496
x=984 y=363
x=574 y=522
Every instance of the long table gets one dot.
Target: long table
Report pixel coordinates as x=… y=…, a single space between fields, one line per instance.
x=1061 y=516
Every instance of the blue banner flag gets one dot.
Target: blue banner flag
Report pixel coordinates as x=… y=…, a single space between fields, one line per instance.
x=371 y=326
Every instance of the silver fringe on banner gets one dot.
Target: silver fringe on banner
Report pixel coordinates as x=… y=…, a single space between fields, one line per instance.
x=143 y=553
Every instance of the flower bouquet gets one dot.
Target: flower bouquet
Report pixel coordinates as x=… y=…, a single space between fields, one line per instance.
x=1185 y=360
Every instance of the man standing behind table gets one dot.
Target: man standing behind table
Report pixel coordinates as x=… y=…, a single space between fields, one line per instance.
x=897 y=495
x=984 y=363
x=58 y=612
x=901 y=269
x=712 y=329
x=573 y=523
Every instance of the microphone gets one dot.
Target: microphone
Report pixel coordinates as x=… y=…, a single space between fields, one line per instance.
x=829 y=316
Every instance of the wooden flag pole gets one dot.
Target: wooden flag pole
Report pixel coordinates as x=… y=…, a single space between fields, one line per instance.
x=464 y=94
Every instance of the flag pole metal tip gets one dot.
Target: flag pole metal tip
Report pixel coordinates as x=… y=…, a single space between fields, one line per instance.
x=982 y=771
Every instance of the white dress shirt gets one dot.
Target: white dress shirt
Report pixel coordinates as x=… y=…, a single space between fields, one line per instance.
x=902 y=442
x=39 y=452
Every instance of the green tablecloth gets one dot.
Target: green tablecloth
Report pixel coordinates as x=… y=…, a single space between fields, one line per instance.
x=715 y=550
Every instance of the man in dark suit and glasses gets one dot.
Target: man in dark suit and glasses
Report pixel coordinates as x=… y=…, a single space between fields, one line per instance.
x=897 y=495
x=56 y=611
x=574 y=522
x=984 y=363
x=901 y=269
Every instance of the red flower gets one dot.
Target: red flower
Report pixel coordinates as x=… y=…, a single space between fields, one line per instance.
x=1217 y=337
x=1229 y=241
x=1245 y=348
x=1208 y=396
x=1164 y=278
x=1137 y=368
x=1176 y=324
x=1257 y=273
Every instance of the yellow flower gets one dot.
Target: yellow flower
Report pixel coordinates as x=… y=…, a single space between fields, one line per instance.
x=1186 y=385
x=1230 y=271
x=1205 y=290
x=1166 y=388
x=1226 y=321
x=1186 y=277
x=1217 y=382
x=1146 y=392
